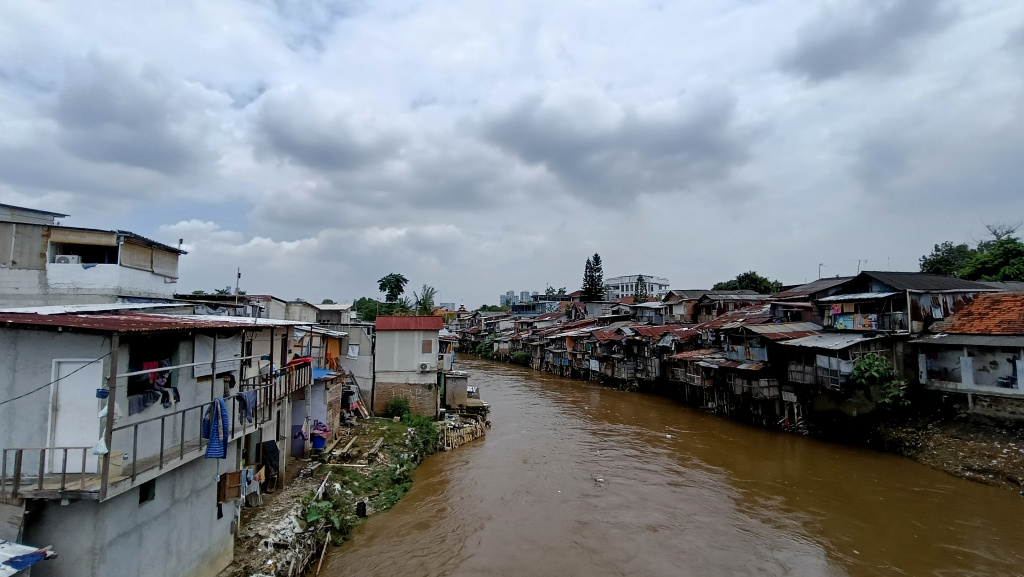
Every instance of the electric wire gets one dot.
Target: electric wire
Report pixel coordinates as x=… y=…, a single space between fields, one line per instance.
x=4 y=402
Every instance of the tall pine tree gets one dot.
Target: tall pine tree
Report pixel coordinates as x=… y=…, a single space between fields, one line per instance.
x=593 y=279
x=640 y=295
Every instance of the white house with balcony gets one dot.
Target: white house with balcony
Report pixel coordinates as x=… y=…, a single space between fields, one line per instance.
x=44 y=263
x=101 y=419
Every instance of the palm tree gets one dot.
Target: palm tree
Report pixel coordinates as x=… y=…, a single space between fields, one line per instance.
x=425 y=300
x=403 y=307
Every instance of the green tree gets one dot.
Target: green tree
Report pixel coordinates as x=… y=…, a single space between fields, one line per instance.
x=328 y=302
x=403 y=307
x=392 y=285
x=549 y=290
x=490 y=308
x=424 y=301
x=878 y=382
x=947 y=259
x=561 y=291
x=750 y=281
x=640 y=295
x=593 y=279
x=999 y=260
x=200 y=292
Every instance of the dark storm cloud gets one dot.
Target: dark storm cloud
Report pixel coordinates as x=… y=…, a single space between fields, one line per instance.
x=602 y=150
x=290 y=125
x=874 y=35
x=109 y=111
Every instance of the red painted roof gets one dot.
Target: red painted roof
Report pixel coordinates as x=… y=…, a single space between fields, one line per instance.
x=989 y=314
x=425 y=323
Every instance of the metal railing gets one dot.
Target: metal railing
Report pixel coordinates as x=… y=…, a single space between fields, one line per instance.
x=14 y=478
x=180 y=440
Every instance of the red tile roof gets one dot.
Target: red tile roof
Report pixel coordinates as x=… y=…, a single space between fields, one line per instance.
x=989 y=314
x=424 y=323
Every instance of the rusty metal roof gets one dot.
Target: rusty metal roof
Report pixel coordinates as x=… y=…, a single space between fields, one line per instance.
x=421 y=323
x=752 y=315
x=810 y=288
x=138 y=322
x=781 y=331
x=988 y=314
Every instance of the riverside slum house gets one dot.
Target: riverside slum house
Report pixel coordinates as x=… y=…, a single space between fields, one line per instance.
x=873 y=312
x=43 y=263
x=406 y=363
x=978 y=354
x=143 y=424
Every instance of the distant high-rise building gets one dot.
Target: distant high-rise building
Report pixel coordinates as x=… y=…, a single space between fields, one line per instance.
x=449 y=306
x=524 y=297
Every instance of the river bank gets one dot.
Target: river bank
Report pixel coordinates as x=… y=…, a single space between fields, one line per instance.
x=365 y=472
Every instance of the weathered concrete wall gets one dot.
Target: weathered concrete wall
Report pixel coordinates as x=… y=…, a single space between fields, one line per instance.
x=176 y=534
x=422 y=397
x=27 y=364
x=361 y=367
x=402 y=351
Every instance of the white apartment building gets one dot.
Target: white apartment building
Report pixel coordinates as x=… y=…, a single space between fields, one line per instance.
x=625 y=286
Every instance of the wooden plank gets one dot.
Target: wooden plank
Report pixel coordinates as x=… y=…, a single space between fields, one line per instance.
x=348 y=447
x=11 y=516
x=376 y=447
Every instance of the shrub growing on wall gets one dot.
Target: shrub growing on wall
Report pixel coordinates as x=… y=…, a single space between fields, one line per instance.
x=397 y=407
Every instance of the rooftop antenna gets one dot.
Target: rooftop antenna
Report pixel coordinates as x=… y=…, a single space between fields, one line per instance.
x=861 y=260
x=820 y=264
x=238 y=275
x=180 y=241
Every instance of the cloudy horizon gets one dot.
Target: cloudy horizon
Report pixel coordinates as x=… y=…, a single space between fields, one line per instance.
x=481 y=148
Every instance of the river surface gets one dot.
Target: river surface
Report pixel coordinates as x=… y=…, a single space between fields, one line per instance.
x=577 y=479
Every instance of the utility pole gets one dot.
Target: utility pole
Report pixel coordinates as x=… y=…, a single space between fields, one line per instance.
x=238 y=275
x=819 y=268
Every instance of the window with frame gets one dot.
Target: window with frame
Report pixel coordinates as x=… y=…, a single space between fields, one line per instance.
x=427 y=346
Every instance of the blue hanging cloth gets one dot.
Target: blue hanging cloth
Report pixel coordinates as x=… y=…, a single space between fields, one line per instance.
x=215 y=428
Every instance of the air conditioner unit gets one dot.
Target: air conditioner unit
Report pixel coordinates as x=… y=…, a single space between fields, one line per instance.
x=424 y=367
x=68 y=259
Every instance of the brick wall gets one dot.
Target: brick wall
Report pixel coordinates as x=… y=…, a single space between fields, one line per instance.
x=422 y=398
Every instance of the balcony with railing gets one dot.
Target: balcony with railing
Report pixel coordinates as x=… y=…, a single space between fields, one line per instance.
x=142 y=450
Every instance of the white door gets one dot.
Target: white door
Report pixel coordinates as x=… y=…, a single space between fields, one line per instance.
x=74 y=410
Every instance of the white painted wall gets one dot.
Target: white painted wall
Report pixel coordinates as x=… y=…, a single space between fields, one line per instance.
x=399 y=354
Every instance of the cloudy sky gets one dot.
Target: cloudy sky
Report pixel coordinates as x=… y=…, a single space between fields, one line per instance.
x=484 y=146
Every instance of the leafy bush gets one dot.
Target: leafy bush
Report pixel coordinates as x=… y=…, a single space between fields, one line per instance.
x=424 y=442
x=486 y=348
x=880 y=381
x=520 y=357
x=397 y=407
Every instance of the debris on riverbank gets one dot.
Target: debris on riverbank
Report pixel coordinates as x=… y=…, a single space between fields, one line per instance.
x=362 y=473
x=990 y=453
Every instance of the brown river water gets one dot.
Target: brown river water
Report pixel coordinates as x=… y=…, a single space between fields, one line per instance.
x=578 y=479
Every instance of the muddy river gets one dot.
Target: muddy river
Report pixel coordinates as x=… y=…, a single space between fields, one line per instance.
x=577 y=479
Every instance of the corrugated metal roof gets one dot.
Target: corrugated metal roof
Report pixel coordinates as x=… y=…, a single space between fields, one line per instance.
x=106 y=307
x=811 y=287
x=856 y=297
x=781 y=331
x=139 y=322
x=917 y=281
x=697 y=354
x=752 y=315
x=416 y=323
x=830 y=341
x=989 y=314
x=1014 y=341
